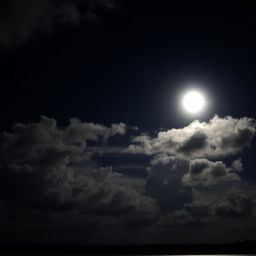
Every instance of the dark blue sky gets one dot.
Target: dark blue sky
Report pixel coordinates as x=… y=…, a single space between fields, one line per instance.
x=134 y=62
x=130 y=162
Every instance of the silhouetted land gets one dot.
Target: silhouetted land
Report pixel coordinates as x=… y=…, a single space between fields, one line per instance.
x=245 y=247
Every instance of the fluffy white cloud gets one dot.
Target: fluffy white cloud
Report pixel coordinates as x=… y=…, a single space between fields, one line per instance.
x=217 y=138
x=204 y=172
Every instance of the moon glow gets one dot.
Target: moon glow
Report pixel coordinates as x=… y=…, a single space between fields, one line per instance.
x=193 y=102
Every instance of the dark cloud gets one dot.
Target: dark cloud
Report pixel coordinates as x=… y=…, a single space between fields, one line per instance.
x=165 y=185
x=45 y=143
x=234 y=204
x=237 y=165
x=174 y=183
x=78 y=131
x=51 y=178
x=48 y=169
x=212 y=208
x=196 y=142
x=20 y=20
x=178 y=218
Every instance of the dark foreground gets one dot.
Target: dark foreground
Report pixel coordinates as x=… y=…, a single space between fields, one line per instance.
x=245 y=247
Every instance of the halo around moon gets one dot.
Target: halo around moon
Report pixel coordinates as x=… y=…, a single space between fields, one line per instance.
x=193 y=102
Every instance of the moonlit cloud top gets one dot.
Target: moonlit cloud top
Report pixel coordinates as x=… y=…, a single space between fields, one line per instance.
x=59 y=174
x=218 y=138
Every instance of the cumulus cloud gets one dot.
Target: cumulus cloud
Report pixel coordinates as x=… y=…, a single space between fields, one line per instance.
x=51 y=169
x=213 y=207
x=45 y=143
x=234 y=204
x=192 y=192
x=205 y=172
x=164 y=183
x=196 y=142
x=171 y=181
x=217 y=138
x=60 y=181
x=184 y=165
x=237 y=165
x=20 y=20
x=79 y=131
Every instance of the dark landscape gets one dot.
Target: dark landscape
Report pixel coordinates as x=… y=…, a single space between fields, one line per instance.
x=243 y=247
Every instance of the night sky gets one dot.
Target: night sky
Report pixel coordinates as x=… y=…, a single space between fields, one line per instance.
x=95 y=145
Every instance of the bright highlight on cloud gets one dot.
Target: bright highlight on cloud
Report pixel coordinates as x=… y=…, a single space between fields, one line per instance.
x=59 y=175
x=193 y=102
x=219 y=137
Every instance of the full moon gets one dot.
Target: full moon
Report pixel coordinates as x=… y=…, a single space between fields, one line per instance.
x=193 y=102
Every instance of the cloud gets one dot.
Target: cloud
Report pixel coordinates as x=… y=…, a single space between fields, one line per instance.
x=172 y=181
x=53 y=178
x=49 y=169
x=204 y=172
x=234 y=204
x=180 y=171
x=78 y=131
x=196 y=142
x=177 y=218
x=192 y=192
x=164 y=183
x=21 y=20
x=212 y=208
x=237 y=165
x=219 y=137
x=44 y=143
